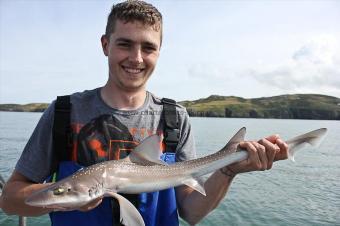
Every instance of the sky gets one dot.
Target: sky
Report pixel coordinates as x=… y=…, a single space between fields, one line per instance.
x=242 y=48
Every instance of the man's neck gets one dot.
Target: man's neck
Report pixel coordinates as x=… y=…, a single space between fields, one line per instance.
x=123 y=100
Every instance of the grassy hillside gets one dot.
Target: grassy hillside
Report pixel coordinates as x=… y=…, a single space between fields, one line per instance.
x=36 y=107
x=299 y=106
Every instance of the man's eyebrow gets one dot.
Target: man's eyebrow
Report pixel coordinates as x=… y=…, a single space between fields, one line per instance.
x=123 y=40
x=147 y=43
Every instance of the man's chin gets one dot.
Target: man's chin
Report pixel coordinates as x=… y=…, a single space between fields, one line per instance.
x=133 y=87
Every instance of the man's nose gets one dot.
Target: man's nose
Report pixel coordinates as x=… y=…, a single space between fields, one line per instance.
x=136 y=55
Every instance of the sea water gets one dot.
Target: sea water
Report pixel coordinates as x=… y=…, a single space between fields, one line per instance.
x=306 y=192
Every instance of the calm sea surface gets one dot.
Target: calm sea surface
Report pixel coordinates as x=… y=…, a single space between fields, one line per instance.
x=306 y=192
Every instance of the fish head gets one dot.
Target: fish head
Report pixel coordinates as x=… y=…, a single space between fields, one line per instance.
x=64 y=195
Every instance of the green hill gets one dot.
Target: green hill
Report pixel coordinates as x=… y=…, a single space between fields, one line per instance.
x=35 y=107
x=299 y=106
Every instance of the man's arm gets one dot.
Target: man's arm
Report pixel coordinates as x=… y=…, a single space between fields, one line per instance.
x=193 y=206
x=16 y=190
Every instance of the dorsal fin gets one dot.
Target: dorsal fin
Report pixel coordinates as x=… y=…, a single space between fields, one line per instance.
x=232 y=144
x=147 y=152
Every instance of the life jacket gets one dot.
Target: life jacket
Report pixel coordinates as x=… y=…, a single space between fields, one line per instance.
x=157 y=208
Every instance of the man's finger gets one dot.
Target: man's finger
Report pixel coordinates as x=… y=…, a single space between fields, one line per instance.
x=272 y=139
x=253 y=160
x=283 y=153
x=261 y=152
x=91 y=205
x=271 y=150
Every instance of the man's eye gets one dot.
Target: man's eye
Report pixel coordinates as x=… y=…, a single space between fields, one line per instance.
x=149 y=49
x=123 y=44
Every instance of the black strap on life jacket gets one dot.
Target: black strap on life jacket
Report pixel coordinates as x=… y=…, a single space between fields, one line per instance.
x=61 y=130
x=171 y=127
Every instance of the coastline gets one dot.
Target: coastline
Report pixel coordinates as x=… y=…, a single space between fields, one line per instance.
x=296 y=106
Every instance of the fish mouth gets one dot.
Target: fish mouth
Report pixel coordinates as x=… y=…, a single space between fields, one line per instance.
x=55 y=205
x=43 y=199
x=47 y=200
x=36 y=199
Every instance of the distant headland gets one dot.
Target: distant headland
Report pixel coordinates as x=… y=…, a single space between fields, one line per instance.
x=297 y=106
x=34 y=107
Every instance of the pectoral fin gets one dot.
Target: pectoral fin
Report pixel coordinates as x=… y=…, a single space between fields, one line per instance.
x=129 y=215
x=196 y=184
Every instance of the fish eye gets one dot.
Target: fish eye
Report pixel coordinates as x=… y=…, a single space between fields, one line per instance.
x=58 y=191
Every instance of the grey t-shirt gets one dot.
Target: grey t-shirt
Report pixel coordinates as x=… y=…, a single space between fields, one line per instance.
x=101 y=133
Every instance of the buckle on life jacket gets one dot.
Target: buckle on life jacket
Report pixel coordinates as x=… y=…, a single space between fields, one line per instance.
x=171 y=136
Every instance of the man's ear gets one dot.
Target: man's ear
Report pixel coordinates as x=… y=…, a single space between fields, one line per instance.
x=105 y=44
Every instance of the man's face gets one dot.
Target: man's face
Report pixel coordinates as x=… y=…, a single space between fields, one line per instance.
x=132 y=51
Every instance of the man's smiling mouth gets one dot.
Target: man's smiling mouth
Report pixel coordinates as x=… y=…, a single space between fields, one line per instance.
x=132 y=70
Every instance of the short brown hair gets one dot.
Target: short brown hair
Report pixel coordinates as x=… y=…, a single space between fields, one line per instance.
x=133 y=10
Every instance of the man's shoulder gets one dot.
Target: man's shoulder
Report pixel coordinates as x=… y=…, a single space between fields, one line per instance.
x=86 y=95
x=86 y=102
x=158 y=101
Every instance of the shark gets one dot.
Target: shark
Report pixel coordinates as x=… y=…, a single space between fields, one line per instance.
x=143 y=171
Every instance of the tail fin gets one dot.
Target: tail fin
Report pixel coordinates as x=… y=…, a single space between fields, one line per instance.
x=313 y=138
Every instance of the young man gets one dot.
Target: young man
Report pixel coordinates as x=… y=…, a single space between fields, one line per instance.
x=110 y=121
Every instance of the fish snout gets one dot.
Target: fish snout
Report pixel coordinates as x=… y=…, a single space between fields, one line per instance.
x=38 y=199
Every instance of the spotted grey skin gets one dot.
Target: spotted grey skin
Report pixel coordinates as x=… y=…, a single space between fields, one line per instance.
x=143 y=171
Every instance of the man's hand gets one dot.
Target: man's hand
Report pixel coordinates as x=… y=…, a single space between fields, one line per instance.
x=262 y=154
x=91 y=205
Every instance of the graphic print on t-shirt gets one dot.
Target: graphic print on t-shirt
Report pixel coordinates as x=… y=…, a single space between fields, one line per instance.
x=105 y=138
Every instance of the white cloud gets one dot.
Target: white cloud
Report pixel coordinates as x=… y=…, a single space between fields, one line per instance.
x=319 y=50
x=314 y=67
